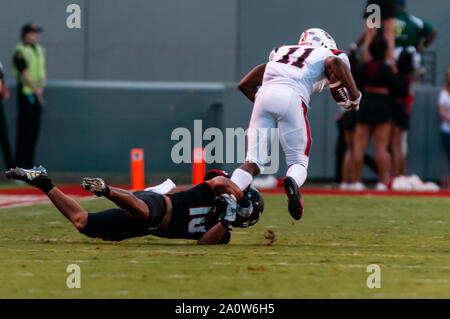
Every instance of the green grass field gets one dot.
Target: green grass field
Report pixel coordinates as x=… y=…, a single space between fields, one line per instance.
x=325 y=255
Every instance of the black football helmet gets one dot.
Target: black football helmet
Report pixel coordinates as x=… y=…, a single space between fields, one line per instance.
x=258 y=206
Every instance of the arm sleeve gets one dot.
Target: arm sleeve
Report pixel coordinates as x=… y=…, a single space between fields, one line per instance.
x=19 y=62
x=1 y=71
x=427 y=28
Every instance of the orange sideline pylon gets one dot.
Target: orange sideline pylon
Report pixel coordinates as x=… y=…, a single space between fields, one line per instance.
x=137 y=169
x=198 y=166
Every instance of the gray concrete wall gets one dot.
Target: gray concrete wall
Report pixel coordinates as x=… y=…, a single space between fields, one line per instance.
x=172 y=40
x=96 y=127
x=195 y=40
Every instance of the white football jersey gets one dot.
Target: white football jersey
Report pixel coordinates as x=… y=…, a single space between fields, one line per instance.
x=300 y=67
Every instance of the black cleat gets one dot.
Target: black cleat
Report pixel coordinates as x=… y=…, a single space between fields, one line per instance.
x=33 y=176
x=295 y=204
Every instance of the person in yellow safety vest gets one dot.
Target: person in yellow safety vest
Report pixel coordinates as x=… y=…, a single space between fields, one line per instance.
x=28 y=66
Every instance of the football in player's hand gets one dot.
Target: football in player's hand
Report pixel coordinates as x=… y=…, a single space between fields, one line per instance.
x=338 y=91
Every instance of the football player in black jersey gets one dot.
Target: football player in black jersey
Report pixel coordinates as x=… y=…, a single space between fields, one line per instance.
x=201 y=212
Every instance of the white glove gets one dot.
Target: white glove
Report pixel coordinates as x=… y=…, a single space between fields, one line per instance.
x=230 y=213
x=351 y=105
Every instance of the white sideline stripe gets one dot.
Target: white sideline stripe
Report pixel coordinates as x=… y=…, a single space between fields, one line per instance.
x=285 y=264
x=140 y=85
x=357 y=255
x=5 y=199
x=27 y=200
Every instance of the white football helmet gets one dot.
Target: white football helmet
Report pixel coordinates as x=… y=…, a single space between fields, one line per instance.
x=316 y=37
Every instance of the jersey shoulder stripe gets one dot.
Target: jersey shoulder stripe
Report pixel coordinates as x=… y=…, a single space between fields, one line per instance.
x=337 y=52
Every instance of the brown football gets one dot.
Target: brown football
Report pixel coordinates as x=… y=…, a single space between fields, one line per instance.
x=338 y=91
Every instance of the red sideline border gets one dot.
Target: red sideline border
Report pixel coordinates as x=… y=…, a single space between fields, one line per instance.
x=337 y=192
x=76 y=190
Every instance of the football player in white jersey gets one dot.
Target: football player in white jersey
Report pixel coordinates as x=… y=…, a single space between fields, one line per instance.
x=281 y=90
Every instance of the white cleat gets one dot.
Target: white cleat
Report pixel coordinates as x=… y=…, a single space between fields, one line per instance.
x=381 y=187
x=358 y=186
x=165 y=187
x=345 y=186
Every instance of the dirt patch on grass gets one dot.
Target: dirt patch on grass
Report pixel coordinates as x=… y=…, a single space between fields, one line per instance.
x=268 y=238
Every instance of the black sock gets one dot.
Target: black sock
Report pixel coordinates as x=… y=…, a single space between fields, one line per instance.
x=45 y=184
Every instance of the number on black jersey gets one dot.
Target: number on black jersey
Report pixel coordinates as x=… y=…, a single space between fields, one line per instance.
x=197 y=223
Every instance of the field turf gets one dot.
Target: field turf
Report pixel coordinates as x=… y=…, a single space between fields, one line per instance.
x=324 y=255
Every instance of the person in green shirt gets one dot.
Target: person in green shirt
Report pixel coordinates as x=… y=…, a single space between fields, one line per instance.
x=411 y=33
x=28 y=66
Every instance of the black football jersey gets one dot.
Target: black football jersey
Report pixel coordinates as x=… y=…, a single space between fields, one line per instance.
x=189 y=212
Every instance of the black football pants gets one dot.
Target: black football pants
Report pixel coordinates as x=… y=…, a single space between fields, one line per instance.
x=28 y=122
x=4 y=142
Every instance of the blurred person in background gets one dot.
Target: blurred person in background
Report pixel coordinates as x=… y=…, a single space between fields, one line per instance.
x=344 y=165
x=4 y=142
x=346 y=122
x=387 y=8
x=411 y=34
x=444 y=112
x=28 y=65
x=401 y=110
x=377 y=82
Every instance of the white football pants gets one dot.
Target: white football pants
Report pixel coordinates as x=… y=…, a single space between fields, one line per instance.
x=279 y=106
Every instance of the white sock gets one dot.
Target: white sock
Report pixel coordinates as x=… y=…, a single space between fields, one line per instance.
x=241 y=178
x=163 y=188
x=298 y=173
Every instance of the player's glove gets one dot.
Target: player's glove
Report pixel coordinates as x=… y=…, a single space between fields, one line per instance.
x=350 y=105
x=229 y=216
x=96 y=186
x=217 y=210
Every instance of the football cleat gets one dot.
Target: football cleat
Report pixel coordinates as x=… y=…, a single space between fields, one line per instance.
x=96 y=186
x=33 y=176
x=295 y=202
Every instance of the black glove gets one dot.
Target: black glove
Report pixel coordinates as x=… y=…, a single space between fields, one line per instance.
x=217 y=209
